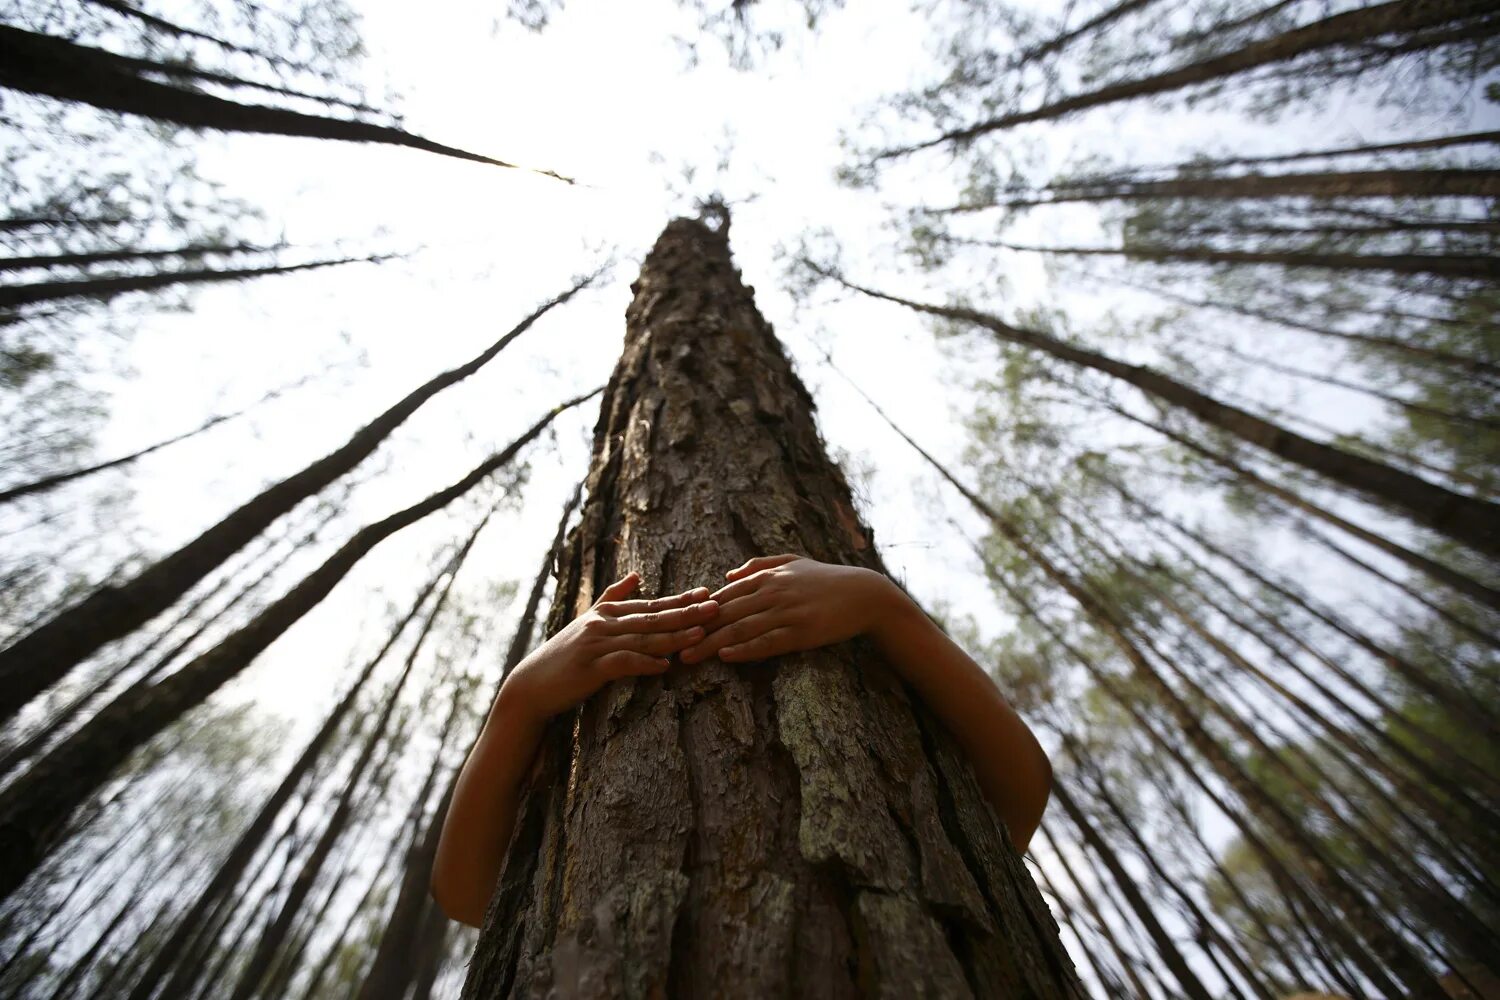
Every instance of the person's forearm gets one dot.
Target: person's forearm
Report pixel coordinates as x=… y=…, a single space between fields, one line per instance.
x=1011 y=766
x=477 y=830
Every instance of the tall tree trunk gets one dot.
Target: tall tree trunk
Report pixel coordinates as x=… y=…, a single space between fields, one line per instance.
x=1433 y=182
x=1351 y=29
x=1144 y=913
x=34 y=809
x=1466 y=585
x=1469 y=520
x=102 y=289
x=43 y=656
x=184 y=948
x=1476 y=266
x=1129 y=963
x=1366 y=149
x=53 y=481
x=796 y=827
x=399 y=957
x=54 y=67
x=1363 y=918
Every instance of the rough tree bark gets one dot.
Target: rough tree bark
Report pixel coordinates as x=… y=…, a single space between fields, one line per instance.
x=799 y=827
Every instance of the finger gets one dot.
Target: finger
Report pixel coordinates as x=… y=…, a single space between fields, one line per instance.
x=624 y=663
x=739 y=588
x=764 y=646
x=668 y=621
x=618 y=608
x=657 y=643
x=738 y=632
x=759 y=563
x=620 y=589
x=742 y=607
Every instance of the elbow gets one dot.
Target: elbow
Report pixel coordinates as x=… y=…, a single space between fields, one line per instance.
x=453 y=905
x=1041 y=790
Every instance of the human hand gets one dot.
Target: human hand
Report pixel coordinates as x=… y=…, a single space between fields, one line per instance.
x=787 y=603
x=613 y=639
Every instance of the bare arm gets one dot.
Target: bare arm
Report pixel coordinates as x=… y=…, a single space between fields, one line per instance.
x=615 y=638
x=781 y=604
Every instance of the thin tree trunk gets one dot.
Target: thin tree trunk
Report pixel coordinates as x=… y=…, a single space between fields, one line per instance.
x=103 y=289
x=116 y=256
x=57 y=68
x=1361 y=758
x=1063 y=39
x=46 y=654
x=1210 y=932
x=260 y=956
x=1430 y=182
x=1470 y=520
x=1144 y=914
x=59 y=721
x=1476 y=366
x=1366 y=149
x=48 y=483
x=399 y=956
x=34 y=808
x=185 y=947
x=1443 y=574
x=1367 y=923
x=1348 y=29
x=1479 y=267
x=798 y=825
x=1128 y=962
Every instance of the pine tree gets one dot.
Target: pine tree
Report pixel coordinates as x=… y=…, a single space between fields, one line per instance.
x=808 y=827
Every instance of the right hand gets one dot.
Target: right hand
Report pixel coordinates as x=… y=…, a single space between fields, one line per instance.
x=613 y=639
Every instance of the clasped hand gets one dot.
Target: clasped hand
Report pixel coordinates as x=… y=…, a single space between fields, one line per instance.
x=771 y=605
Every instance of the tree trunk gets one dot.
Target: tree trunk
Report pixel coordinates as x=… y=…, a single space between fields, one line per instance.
x=1365 y=920
x=34 y=808
x=102 y=289
x=57 y=68
x=1144 y=913
x=1347 y=29
x=1393 y=183
x=1480 y=267
x=796 y=827
x=398 y=961
x=186 y=947
x=1470 y=520
x=43 y=656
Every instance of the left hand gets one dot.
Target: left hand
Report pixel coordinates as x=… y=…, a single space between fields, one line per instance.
x=787 y=603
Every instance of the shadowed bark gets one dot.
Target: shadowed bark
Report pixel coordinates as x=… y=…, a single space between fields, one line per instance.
x=798 y=827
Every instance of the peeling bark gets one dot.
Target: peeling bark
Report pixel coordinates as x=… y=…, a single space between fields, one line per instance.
x=798 y=827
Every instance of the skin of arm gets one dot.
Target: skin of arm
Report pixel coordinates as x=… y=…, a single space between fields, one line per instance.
x=782 y=604
x=615 y=638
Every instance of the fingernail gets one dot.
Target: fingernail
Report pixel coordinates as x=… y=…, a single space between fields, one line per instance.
x=695 y=632
x=709 y=606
